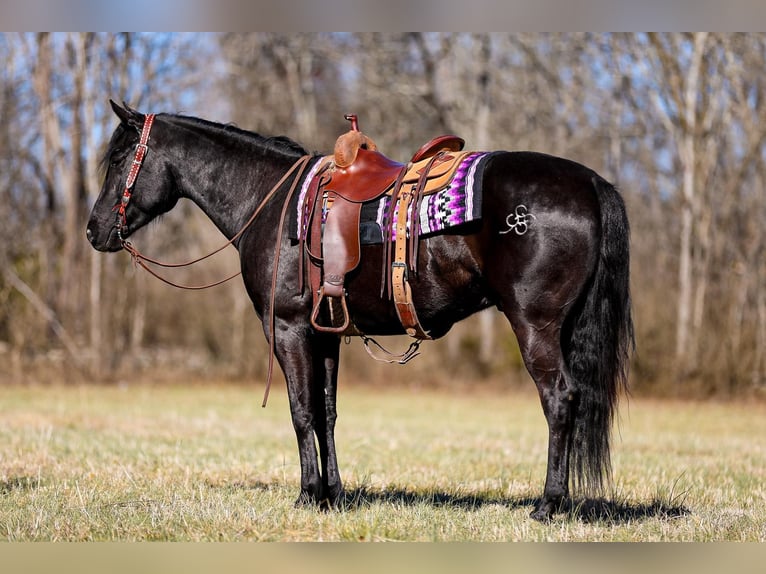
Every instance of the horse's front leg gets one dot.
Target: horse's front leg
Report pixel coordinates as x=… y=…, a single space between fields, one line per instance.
x=294 y=352
x=326 y=351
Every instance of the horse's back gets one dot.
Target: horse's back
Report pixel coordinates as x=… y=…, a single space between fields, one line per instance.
x=538 y=177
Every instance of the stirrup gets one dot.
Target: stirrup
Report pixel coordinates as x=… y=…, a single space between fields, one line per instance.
x=344 y=309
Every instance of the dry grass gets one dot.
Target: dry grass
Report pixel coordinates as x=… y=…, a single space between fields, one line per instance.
x=207 y=463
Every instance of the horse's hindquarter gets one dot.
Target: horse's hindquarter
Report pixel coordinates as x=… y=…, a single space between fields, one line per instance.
x=541 y=229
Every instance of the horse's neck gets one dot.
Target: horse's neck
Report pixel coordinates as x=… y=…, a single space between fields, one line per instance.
x=228 y=187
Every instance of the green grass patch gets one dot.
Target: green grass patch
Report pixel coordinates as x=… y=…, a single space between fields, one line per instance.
x=207 y=463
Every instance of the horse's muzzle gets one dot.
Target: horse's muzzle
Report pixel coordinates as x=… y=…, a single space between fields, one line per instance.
x=111 y=243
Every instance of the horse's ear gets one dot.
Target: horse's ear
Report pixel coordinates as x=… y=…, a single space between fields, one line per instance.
x=128 y=115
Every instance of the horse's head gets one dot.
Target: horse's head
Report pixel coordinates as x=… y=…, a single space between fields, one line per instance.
x=144 y=192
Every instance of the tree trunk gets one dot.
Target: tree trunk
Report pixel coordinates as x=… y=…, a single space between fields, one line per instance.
x=75 y=182
x=51 y=148
x=482 y=141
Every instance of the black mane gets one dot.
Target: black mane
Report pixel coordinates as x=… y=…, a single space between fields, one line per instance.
x=280 y=143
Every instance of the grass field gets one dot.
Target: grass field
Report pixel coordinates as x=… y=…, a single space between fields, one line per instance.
x=208 y=463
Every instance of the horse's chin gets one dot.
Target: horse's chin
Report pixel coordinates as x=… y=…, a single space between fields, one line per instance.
x=110 y=248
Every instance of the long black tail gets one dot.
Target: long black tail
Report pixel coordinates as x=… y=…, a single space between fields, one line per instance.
x=599 y=346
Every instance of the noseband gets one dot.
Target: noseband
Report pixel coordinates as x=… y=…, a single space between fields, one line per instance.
x=138 y=160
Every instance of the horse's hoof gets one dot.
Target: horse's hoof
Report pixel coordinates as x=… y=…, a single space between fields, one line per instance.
x=304 y=500
x=337 y=499
x=335 y=503
x=545 y=509
x=541 y=515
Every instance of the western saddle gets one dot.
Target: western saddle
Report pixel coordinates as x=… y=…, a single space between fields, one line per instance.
x=357 y=173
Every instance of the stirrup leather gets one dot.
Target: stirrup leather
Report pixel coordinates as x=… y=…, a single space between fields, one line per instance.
x=405 y=308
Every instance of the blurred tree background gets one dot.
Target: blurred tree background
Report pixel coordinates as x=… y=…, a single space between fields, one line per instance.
x=677 y=121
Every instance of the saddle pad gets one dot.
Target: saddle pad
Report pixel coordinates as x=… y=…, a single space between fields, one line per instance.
x=456 y=204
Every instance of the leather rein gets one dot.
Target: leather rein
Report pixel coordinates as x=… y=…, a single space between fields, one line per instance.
x=142 y=260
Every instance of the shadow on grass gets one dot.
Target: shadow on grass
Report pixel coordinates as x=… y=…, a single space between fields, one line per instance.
x=616 y=512
x=587 y=510
x=19 y=483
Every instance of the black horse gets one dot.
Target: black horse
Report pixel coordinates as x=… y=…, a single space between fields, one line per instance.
x=563 y=284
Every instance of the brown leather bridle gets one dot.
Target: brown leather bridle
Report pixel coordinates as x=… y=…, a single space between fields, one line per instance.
x=138 y=160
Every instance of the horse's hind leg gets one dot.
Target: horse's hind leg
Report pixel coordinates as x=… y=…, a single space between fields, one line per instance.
x=541 y=349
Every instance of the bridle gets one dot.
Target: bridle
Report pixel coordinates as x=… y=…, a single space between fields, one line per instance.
x=135 y=167
x=142 y=149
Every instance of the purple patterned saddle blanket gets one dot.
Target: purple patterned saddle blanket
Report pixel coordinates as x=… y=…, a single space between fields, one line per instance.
x=457 y=204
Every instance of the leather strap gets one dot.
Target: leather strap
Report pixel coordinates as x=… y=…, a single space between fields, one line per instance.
x=385 y=282
x=415 y=210
x=307 y=213
x=405 y=308
x=138 y=160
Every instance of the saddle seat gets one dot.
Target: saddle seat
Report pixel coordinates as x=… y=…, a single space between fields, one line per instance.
x=368 y=177
x=372 y=174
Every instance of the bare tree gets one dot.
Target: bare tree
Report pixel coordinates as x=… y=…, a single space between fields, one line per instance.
x=678 y=120
x=56 y=92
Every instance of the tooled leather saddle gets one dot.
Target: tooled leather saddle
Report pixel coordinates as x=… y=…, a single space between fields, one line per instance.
x=357 y=173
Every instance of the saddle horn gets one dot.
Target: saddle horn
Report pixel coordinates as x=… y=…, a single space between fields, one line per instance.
x=354 y=121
